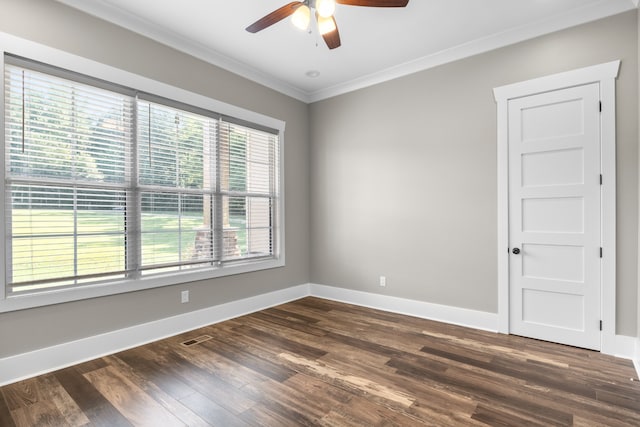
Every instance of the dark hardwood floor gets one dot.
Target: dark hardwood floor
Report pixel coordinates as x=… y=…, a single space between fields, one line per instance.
x=317 y=362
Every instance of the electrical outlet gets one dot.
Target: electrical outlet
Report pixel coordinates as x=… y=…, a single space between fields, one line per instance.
x=184 y=296
x=383 y=281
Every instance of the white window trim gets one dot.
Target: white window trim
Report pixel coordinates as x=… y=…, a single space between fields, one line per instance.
x=605 y=75
x=38 y=52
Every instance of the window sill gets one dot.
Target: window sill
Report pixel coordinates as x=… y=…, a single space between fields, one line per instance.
x=58 y=296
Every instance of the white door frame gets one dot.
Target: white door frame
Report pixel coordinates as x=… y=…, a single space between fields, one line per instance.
x=604 y=74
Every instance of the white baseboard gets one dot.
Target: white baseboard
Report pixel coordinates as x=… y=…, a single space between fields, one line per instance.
x=636 y=358
x=441 y=313
x=620 y=346
x=37 y=362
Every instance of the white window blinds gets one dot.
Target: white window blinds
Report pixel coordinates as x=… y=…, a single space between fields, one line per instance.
x=248 y=187
x=103 y=184
x=176 y=158
x=68 y=167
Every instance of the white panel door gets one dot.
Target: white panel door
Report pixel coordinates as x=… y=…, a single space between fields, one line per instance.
x=554 y=216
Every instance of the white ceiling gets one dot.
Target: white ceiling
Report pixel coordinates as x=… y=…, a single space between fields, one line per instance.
x=377 y=43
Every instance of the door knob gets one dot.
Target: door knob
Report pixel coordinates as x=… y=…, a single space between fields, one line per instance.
x=515 y=251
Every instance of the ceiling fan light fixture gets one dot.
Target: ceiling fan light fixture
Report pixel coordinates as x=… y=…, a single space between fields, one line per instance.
x=301 y=17
x=325 y=8
x=300 y=13
x=326 y=25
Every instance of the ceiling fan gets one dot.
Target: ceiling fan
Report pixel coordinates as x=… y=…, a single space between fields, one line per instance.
x=327 y=27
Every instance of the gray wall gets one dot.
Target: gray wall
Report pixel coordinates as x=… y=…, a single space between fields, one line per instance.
x=403 y=174
x=637 y=355
x=53 y=24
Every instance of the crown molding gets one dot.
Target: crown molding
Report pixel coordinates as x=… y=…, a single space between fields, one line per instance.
x=102 y=10
x=139 y=25
x=573 y=18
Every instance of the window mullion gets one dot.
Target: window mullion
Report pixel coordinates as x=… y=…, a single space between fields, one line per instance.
x=75 y=231
x=273 y=190
x=7 y=213
x=218 y=229
x=133 y=211
x=178 y=184
x=74 y=161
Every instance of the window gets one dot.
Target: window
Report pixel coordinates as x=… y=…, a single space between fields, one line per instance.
x=110 y=185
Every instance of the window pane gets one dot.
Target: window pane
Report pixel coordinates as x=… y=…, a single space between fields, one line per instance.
x=68 y=151
x=197 y=238
x=64 y=232
x=237 y=160
x=248 y=159
x=176 y=228
x=100 y=211
x=174 y=147
x=61 y=129
x=41 y=210
x=99 y=254
x=234 y=227
x=258 y=226
x=41 y=258
x=160 y=248
x=248 y=230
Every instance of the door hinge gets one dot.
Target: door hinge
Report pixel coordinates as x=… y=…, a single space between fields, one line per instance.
x=600 y=179
x=600 y=106
x=601 y=252
x=601 y=325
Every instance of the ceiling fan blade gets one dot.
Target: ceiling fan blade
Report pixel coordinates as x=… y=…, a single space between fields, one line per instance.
x=332 y=38
x=273 y=17
x=374 y=3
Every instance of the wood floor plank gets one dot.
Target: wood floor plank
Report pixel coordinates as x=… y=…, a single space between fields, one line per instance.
x=496 y=349
x=316 y=341
x=210 y=385
x=490 y=388
x=226 y=370
x=38 y=401
x=42 y=413
x=94 y=405
x=283 y=405
x=500 y=417
x=272 y=340
x=320 y=362
x=321 y=392
x=290 y=317
x=265 y=415
x=540 y=376
x=21 y=394
x=363 y=412
x=171 y=404
x=131 y=401
x=249 y=356
x=53 y=392
x=307 y=328
x=91 y=365
x=5 y=414
x=433 y=403
x=357 y=384
x=209 y=410
x=145 y=364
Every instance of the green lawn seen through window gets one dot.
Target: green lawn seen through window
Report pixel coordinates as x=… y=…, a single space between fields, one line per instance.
x=100 y=243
